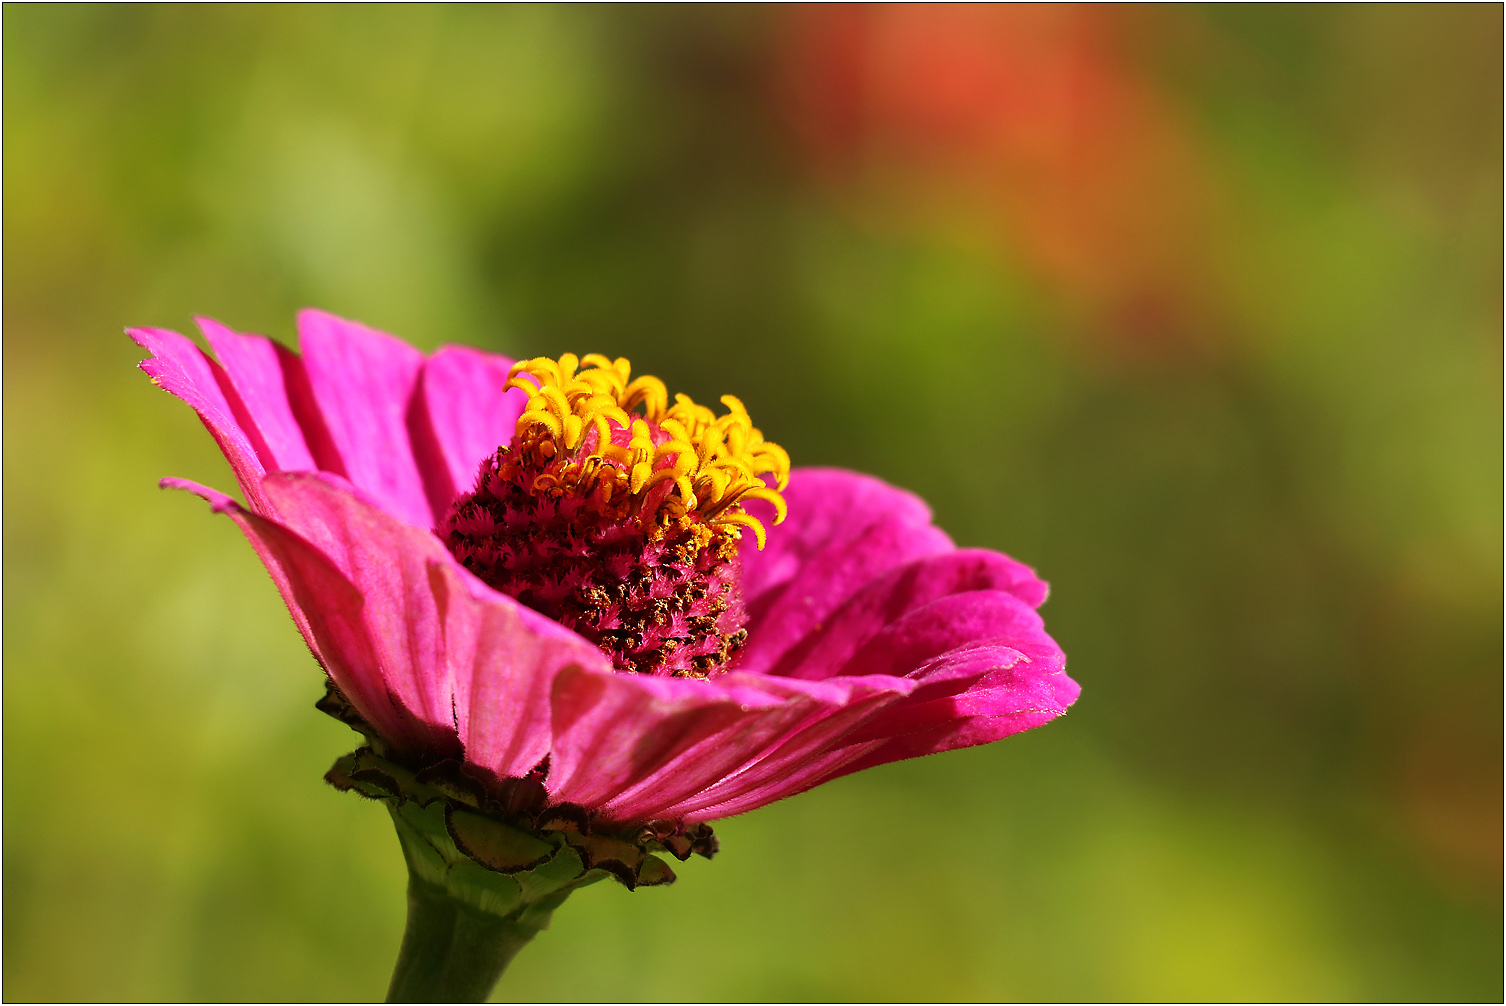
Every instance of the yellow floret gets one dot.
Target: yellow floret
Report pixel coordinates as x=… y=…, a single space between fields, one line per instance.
x=714 y=462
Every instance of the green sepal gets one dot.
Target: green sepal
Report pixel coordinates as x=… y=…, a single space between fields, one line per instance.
x=489 y=865
x=446 y=816
x=495 y=845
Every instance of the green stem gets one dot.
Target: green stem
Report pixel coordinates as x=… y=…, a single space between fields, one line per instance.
x=451 y=952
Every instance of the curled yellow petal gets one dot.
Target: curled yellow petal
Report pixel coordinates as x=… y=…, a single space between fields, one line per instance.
x=714 y=462
x=781 y=511
x=743 y=520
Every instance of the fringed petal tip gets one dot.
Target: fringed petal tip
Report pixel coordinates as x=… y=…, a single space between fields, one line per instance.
x=218 y=502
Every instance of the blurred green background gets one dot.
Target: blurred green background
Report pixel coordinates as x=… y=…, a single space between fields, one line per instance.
x=1196 y=309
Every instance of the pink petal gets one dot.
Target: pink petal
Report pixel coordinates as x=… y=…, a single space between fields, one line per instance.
x=1004 y=688
x=364 y=382
x=388 y=563
x=1006 y=691
x=827 y=506
x=826 y=579
x=254 y=367
x=181 y=368
x=885 y=600
x=462 y=415
x=1018 y=695
x=612 y=731
x=809 y=754
x=977 y=664
x=945 y=624
x=503 y=659
x=432 y=657
x=797 y=776
x=738 y=745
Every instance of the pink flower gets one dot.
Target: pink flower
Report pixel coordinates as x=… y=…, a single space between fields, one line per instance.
x=859 y=634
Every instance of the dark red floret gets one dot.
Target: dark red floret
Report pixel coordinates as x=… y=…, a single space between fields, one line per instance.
x=659 y=594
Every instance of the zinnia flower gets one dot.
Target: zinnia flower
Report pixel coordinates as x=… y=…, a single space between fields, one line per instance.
x=577 y=621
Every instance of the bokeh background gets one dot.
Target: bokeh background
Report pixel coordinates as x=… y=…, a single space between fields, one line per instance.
x=1196 y=309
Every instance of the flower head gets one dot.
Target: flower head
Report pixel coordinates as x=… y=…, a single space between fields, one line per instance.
x=562 y=606
x=623 y=527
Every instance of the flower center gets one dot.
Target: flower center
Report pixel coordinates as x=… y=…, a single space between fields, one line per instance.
x=619 y=514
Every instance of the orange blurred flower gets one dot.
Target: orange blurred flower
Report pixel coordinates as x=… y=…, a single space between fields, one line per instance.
x=1040 y=116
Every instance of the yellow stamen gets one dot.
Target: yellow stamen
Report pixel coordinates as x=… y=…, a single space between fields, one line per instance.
x=742 y=519
x=712 y=462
